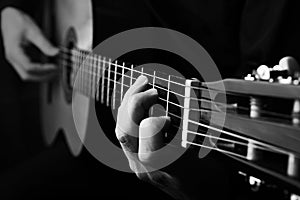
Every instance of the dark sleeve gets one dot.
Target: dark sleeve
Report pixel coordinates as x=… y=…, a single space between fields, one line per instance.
x=269 y=31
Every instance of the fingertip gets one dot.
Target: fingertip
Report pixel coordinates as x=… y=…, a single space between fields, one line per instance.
x=153 y=91
x=142 y=79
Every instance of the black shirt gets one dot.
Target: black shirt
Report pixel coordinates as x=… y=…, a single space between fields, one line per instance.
x=239 y=35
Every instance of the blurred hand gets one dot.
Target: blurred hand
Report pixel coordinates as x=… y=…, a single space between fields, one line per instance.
x=19 y=30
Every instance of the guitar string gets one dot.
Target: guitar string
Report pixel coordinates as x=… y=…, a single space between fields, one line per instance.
x=92 y=55
x=150 y=75
x=255 y=143
x=199 y=124
x=262 y=111
x=214 y=137
x=190 y=120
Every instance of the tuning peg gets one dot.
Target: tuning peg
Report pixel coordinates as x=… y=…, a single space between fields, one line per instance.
x=294 y=197
x=278 y=68
x=255 y=183
x=263 y=72
x=290 y=64
x=249 y=77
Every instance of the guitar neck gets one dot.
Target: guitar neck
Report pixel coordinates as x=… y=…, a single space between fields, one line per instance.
x=192 y=106
x=106 y=81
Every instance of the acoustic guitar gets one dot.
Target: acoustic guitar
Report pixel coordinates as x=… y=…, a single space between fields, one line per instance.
x=261 y=130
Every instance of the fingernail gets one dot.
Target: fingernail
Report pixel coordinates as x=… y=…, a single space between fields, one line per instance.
x=143 y=79
x=153 y=91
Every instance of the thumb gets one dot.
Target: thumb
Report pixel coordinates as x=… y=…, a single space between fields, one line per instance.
x=151 y=136
x=35 y=35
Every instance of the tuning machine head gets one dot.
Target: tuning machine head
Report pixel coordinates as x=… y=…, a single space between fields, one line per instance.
x=286 y=72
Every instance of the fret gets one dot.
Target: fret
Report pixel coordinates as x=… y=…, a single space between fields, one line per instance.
x=81 y=75
x=115 y=84
x=97 y=85
x=108 y=83
x=153 y=80
x=74 y=64
x=153 y=86
x=102 y=80
x=87 y=75
x=168 y=96
x=131 y=75
x=91 y=74
x=122 y=82
x=95 y=69
x=142 y=71
x=85 y=63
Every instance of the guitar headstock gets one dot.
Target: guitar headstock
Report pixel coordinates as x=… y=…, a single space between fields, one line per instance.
x=263 y=111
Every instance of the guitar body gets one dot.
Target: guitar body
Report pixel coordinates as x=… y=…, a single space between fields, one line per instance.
x=56 y=99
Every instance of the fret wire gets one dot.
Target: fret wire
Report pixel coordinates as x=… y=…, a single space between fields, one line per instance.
x=73 y=60
x=84 y=88
x=122 y=81
x=90 y=85
x=94 y=78
x=98 y=78
x=81 y=74
x=114 y=91
x=131 y=75
x=168 y=95
x=153 y=84
x=102 y=84
x=82 y=80
x=88 y=78
x=95 y=93
x=108 y=83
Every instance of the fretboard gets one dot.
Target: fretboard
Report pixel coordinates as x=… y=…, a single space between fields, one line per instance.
x=186 y=101
x=107 y=80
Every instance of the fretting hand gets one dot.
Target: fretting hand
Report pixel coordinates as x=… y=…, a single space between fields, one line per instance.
x=140 y=137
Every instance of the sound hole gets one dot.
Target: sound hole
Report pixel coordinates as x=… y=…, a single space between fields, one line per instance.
x=67 y=64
